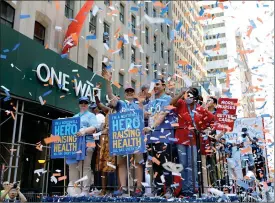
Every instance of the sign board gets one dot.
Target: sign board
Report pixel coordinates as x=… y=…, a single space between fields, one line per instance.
x=225 y=114
x=125 y=133
x=67 y=146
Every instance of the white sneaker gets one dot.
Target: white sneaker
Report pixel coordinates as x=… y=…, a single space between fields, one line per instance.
x=84 y=193
x=73 y=191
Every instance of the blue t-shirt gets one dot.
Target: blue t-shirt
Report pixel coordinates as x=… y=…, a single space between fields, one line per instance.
x=164 y=132
x=87 y=119
x=124 y=106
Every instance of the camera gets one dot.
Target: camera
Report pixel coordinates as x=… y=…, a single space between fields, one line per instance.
x=15 y=185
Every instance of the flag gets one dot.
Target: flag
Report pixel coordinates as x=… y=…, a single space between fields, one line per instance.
x=74 y=29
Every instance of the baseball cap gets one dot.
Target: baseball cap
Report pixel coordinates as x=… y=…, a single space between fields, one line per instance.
x=144 y=87
x=93 y=106
x=83 y=99
x=129 y=87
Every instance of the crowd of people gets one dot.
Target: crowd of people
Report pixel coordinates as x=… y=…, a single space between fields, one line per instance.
x=185 y=154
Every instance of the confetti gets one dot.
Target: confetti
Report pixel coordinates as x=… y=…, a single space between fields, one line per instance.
x=3 y=56
x=22 y=16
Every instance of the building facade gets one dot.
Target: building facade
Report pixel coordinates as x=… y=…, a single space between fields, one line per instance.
x=48 y=23
x=218 y=38
x=188 y=43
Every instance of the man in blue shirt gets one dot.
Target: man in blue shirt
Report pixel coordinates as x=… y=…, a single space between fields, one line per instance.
x=161 y=136
x=77 y=168
x=124 y=106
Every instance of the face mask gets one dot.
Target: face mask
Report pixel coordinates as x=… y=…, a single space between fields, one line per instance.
x=189 y=100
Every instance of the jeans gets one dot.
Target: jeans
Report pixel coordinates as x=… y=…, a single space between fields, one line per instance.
x=185 y=158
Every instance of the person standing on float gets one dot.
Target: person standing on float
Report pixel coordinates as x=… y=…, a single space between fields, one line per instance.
x=124 y=106
x=80 y=168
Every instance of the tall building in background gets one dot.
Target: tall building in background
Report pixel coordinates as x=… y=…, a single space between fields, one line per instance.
x=246 y=98
x=218 y=39
x=188 y=43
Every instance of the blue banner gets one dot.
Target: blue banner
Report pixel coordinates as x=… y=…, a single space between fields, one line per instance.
x=68 y=144
x=125 y=133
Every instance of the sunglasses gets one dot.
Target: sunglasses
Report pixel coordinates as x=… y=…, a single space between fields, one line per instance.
x=83 y=102
x=158 y=84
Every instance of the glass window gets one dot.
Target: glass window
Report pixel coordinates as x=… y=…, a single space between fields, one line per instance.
x=146 y=8
x=169 y=60
x=133 y=24
x=90 y=63
x=147 y=65
x=92 y=23
x=106 y=34
x=39 y=33
x=161 y=50
x=155 y=71
x=107 y=2
x=155 y=43
x=121 y=53
x=154 y=13
x=7 y=14
x=133 y=84
x=161 y=27
x=147 y=35
x=121 y=79
x=121 y=14
x=69 y=9
x=168 y=32
x=133 y=55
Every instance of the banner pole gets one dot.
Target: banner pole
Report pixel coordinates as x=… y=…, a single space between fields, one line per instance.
x=128 y=178
x=64 y=190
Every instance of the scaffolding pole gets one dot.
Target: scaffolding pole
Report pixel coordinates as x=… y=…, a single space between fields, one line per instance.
x=18 y=147
x=13 y=140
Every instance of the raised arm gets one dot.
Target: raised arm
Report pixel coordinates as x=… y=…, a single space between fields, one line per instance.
x=102 y=106
x=111 y=96
x=176 y=98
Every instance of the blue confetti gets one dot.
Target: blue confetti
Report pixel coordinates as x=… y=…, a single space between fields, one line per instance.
x=7 y=93
x=173 y=139
x=196 y=51
x=201 y=11
x=265 y=115
x=149 y=157
x=72 y=19
x=252 y=24
x=218 y=35
x=106 y=33
x=225 y=7
x=108 y=67
x=134 y=8
x=189 y=66
x=24 y=16
x=90 y=37
x=60 y=86
x=64 y=56
x=164 y=10
x=257 y=5
x=168 y=21
x=16 y=47
x=6 y=50
x=178 y=26
x=254 y=68
x=262 y=106
x=265 y=5
x=3 y=56
x=47 y=93
x=172 y=36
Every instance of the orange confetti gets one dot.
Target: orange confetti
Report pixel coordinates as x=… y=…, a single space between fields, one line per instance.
x=119 y=44
x=175 y=125
x=237 y=104
x=44 y=101
x=133 y=70
x=111 y=50
x=230 y=70
x=51 y=139
x=78 y=75
x=217 y=46
x=159 y=4
x=245 y=150
x=221 y=6
x=113 y=12
x=260 y=99
x=117 y=31
x=56 y=174
x=249 y=31
x=50 y=81
x=130 y=34
x=62 y=178
x=245 y=51
x=46 y=85
x=90 y=144
x=182 y=62
x=87 y=45
x=259 y=79
x=46 y=46
x=62 y=96
x=259 y=19
x=57 y=5
x=117 y=85
x=227 y=80
x=60 y=46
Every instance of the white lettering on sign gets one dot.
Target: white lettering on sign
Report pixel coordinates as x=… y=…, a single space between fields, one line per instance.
x=62 y=81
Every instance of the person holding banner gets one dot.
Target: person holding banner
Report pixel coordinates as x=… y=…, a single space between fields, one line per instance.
x=193 y=119
x=125 y=106
x=160 y=140
x=79 y=169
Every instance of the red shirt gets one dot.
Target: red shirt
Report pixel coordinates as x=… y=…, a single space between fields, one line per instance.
x=202 y=118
